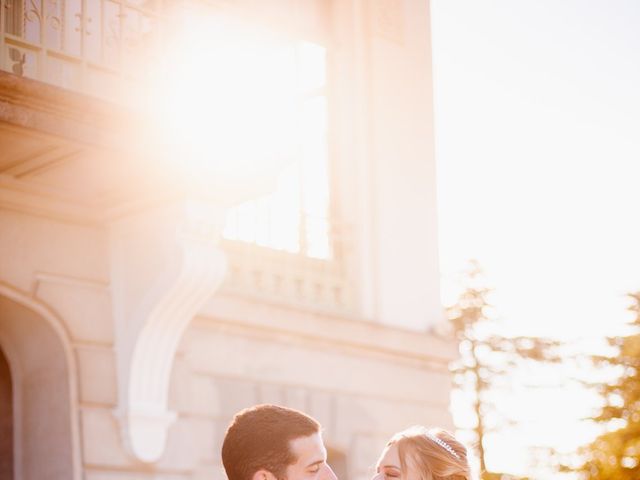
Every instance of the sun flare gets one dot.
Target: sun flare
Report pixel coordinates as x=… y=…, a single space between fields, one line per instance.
x=233 y=101
x=224 y=98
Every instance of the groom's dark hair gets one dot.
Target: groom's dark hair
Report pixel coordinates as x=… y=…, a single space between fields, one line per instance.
x=259 y=437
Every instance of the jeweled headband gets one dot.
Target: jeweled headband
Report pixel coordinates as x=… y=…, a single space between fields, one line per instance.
x=443 y=444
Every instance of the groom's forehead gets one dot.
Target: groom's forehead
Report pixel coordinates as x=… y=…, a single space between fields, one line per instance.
x=307 y=446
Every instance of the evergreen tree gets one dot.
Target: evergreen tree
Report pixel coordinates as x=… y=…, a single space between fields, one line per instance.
x=615 y=455
x=488 y=360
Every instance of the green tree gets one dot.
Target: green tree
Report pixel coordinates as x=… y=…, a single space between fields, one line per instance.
x=488 y=360
x=616 y=453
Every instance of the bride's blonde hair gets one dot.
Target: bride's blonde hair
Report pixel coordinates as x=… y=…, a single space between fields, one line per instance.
x=435 y=453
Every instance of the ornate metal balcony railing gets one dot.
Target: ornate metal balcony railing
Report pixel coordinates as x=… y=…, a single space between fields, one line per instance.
x=96 y=47
x=99 y=47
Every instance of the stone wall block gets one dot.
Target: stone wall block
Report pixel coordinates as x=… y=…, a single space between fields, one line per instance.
x=92 y=475
x=191 y=392
x=97 y=372
x=235 y=395
x=321 y=407
x=101 y=438
x=190 y=443
x=268 y=393
x=209 y=472
x=363 y=455
x=296 y=397
x=85 y=309
x=31 y=244
x=351 y=415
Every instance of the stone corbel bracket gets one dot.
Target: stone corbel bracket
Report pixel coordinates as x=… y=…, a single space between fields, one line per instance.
x=166 y=264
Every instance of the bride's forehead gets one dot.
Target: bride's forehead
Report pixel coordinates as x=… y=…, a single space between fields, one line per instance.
x=389 y=456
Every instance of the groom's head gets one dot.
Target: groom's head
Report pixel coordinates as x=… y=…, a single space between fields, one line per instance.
x=268 y=442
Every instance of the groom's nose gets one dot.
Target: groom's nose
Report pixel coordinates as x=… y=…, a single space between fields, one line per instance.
x=328 y=473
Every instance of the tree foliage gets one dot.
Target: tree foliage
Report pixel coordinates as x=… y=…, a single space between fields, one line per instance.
x=616 y=453
x=488 y=360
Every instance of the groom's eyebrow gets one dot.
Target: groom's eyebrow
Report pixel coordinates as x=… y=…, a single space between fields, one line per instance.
x=317 y=462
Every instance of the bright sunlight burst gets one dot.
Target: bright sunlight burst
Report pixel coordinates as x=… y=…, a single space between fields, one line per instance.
x=224 y=98
x=235 y=101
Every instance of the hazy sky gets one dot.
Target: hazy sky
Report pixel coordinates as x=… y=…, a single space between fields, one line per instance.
x=538 y=150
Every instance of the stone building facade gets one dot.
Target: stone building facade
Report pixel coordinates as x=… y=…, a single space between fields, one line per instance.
x=134 y=322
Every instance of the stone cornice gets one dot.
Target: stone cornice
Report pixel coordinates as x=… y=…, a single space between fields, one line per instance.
x=244 y=315
x=62 y=113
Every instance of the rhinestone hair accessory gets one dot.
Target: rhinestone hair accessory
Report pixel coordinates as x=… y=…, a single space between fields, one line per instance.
x=443 y=444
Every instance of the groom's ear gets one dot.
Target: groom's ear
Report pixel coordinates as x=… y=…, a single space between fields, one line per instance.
x=263 y=475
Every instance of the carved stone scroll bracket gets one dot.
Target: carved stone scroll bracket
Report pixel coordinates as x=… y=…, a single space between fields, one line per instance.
x=166 y=264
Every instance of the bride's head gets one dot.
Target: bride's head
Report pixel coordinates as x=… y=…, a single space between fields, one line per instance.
x=419 y=453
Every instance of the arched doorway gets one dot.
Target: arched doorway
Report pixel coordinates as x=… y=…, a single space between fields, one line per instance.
x=35 y=397
x=6 y=419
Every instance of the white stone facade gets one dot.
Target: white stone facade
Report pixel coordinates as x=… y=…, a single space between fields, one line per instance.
x=133 y=332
